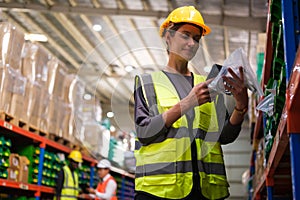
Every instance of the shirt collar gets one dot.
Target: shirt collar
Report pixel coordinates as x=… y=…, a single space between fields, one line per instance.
x=106 y=177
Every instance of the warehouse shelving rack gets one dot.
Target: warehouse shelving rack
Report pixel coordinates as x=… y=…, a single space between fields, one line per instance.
x=38 y=190
x=281 y=174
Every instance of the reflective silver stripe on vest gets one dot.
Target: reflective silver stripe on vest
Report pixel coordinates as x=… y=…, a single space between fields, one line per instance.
x=73 y=188
x=179 y=167
x=69 y=196
x=183 y=132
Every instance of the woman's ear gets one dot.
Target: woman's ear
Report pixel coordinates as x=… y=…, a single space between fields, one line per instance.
x=167 y=37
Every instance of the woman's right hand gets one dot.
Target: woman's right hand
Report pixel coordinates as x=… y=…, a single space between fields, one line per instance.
x=201 y=94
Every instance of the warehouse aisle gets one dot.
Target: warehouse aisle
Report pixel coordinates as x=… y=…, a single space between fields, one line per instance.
x=237 y=156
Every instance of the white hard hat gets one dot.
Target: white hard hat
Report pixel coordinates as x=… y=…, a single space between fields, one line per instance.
x=104 y=164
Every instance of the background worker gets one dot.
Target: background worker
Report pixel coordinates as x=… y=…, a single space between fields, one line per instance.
x=179 y=131
x=67 y=187
x=106 y=188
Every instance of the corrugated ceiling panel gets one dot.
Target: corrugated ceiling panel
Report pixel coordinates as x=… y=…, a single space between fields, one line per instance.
x=150 y=35
x=159 y=5
x=61 y=2
x=211 y=7
x=179 y=3
x=84 y=3
x=134 y=5
x=144 y=57
x=108 y=4
x=236 y=8
x=130 y=36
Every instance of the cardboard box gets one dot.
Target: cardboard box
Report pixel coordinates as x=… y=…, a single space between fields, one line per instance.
x=6 y=88
x=14 y=161
x=56 y=75
x=64 y=120
x=68 y=123
x=68 y=88
x=18 y=94
x=24 y=169
x=44 y=110
x=13 y=174
x=34 y=100
x=11 y=45
x=53 y=112
x=34 y=63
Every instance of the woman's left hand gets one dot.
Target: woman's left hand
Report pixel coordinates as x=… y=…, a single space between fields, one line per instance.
x=237 y=87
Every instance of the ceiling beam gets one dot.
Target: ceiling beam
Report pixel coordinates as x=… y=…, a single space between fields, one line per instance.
x=62 y=37
x=96 y=3
x=79 y=37
x=114 y=29
x=72 y=3
x=51 y=41
x=100 y=38
x=143 y=41
x=146 y=4
x=246 y=23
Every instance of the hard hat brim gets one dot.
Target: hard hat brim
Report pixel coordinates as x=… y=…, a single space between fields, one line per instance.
x=165 y=24
x=77 y=160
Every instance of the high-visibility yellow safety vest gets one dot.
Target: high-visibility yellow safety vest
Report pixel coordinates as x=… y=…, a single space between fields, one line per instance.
x=164 y=168
x=70 y=188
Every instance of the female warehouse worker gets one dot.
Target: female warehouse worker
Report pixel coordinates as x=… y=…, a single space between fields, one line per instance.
x=179 y=131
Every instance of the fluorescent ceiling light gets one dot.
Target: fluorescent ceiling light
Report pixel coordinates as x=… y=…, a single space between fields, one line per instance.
x=112 y=129
x=129 y=68
x=87 y=96
x=36 y=37
x=110 y=114
x=97 y=27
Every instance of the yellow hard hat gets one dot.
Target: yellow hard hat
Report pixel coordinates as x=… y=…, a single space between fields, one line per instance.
x=188 y=14
x=76 y=156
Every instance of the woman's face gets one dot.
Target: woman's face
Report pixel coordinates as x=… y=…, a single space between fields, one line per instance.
x=185 y=42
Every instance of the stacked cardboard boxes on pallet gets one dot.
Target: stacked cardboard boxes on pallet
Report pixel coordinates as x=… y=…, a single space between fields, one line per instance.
x=12 y=83
x=38 y=94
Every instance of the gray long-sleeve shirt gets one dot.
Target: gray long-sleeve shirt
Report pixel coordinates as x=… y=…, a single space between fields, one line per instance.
x=153 y=127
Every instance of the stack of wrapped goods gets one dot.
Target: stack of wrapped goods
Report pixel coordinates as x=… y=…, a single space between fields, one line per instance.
x=87 y=122
x=82 y=116
x=34 y=68
x=45 y=75
x=38 y=93
x=12 y=84
x=56 y=74
x=73 y=89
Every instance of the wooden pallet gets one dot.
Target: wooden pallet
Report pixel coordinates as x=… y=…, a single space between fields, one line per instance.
x=22 y=124
x=11 y=119
x=33 y=129
x=61 y=140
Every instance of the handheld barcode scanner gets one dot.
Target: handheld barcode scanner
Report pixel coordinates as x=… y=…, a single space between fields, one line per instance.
x=214 y=71
x=216 y=68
